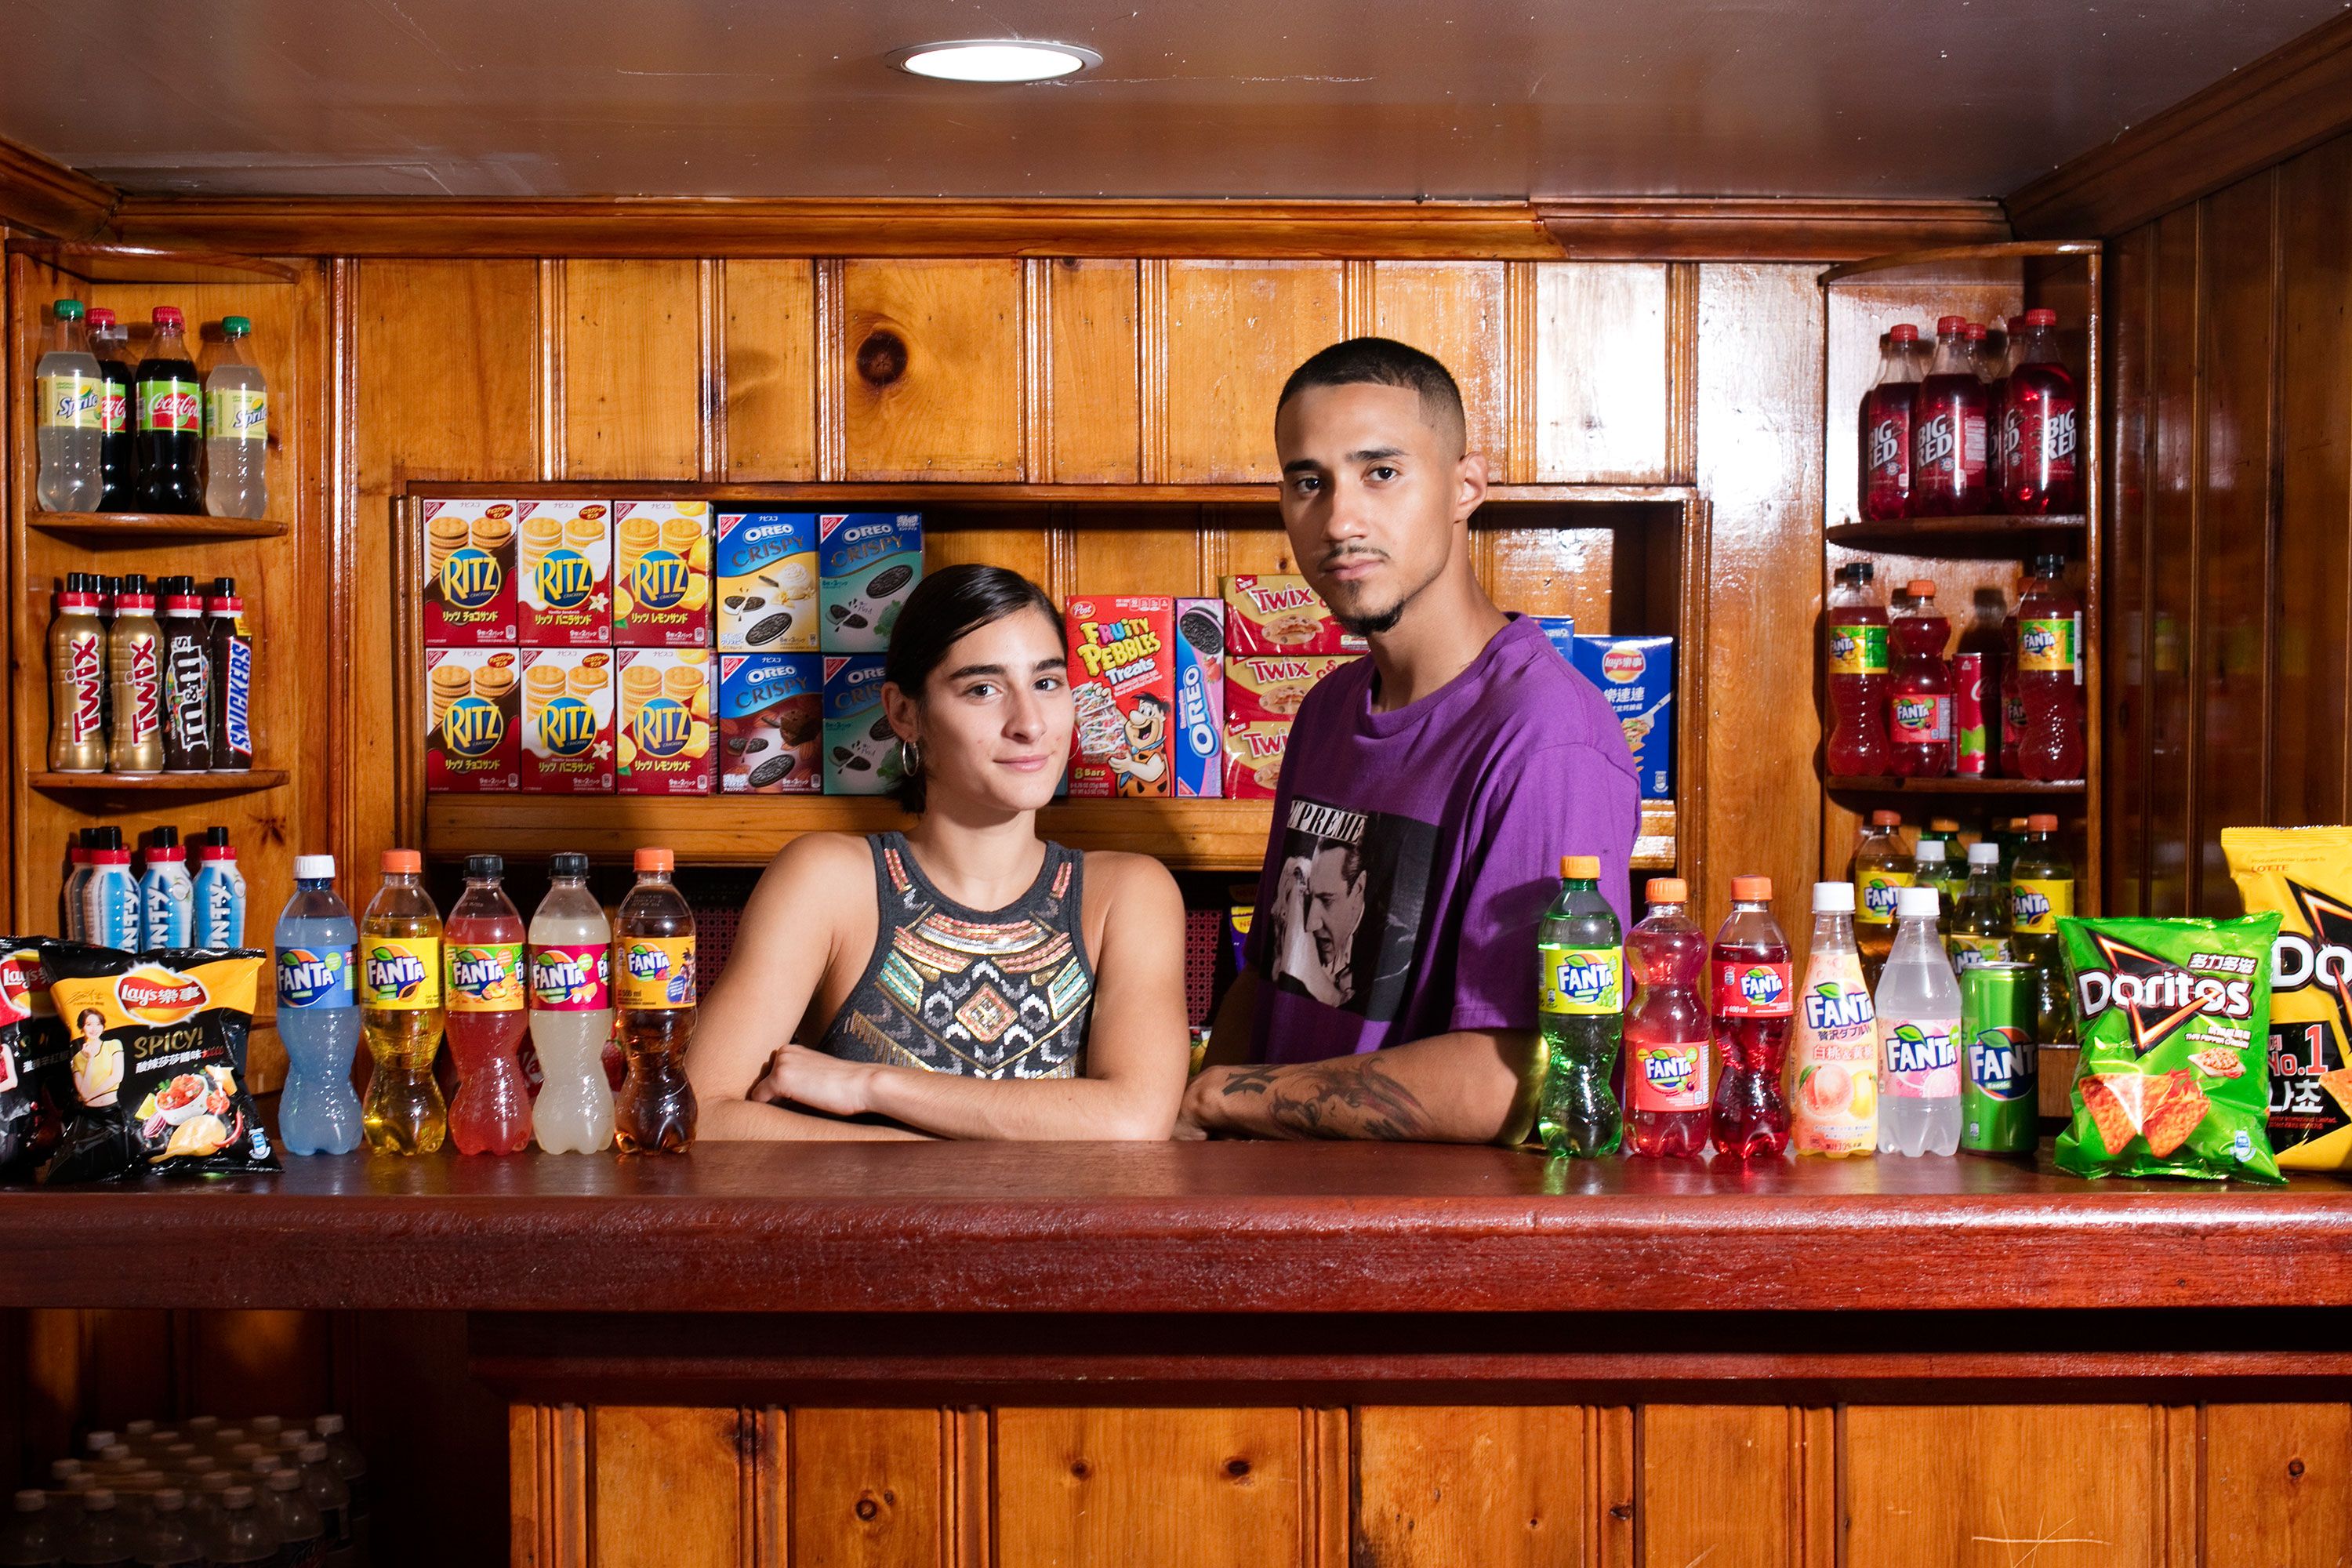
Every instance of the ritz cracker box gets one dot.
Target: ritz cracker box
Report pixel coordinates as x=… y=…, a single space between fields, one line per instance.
x=1123 y=683
x=1274 y=614
x=469 y=574
x=472 y=720
x=770 y=723
x=1637 y=676
x=563 y=577
x=567 y=721
x=767 y=581
x=665 y=721
x=1200 y=698
x=867 y=562
x=861 y=750
x=661 y=573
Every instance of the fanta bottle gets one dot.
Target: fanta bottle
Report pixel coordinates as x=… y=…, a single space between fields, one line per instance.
x=1753 y=1002
x=1881 y=866
x=1948 y=434
x=1667 y=1070
x=1918 y=1005
x=318 y=1014
x=1833 y=1065
x=571 y=1012
x=1887 y=410
x=492 y=1113
x=655 y=1000
x=1858 y=670
x=1919 y=690
x=1582 y=1006
x=2049 y=674
x=400 y=1009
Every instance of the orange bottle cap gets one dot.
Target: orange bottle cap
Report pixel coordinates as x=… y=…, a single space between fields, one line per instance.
x=656 y=861
x=1668 y=890
x=402 y=862
x=1584 y=868
x=1920 y=587
x=1752 y=889
x=2042 y=822
x=1886 y=819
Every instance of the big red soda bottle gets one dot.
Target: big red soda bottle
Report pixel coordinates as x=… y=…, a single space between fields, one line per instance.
x=1754 y=1000
x=2039 y=431
x=1997 y=402
x=1887 y=409
x=1947 y=441
x=1919 y=690
x=1858 y=670
x=1666 y=1032
x=2049 y=675
x=488 y=975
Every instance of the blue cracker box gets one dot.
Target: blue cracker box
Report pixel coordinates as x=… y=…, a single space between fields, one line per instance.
x=766 y=564
x=1561 y=630
x=867 y=562
x=1637 y=676
x=770 y=723
x=1200 y=698
x=861 y=750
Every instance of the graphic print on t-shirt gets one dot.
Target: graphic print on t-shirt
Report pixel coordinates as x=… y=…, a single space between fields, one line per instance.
x=1348 y=903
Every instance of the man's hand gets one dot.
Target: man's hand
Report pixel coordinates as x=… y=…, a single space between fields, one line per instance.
x=1471 y=1086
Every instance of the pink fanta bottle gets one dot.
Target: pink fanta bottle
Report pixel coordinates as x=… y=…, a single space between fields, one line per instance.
x=1754 y=1000
x=1666 y=1066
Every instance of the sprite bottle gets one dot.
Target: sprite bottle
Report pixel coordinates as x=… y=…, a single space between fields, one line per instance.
x=1581 y=958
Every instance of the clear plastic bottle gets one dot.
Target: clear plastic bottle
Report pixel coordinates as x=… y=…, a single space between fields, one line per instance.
x=1931 y=868
x=1833 y=1061
x=1980 y=918
x=1582 y=962
x=1857 y=745
x=654 y=1003
x=2041 y=891
x=328 y=1494
x=1888 y=409
x=399 y=996
x=1919 y=687
x=169 y=1540
x=349 y=1466
x=1918 y=1004
x=70 y=391
x=112 y=900
x=318 y=1012
x=491 y=1111
x=103 y=1537
x=2041 y=473
x=1947 y=433
x=1668 y=1063
x=167 y=894
x=167 y=407
x=219 y=892
x=2049 y=674
x=571 y=1012
x=1753 y=999
x=236 y=427
x=29 y=1536
x=244 y=1534
x=301 y=1534
x=75 y=895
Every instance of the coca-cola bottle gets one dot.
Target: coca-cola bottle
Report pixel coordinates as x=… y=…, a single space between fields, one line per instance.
x=1887 y=413
x=1947 y=439
x=170 y=416
x=2040 y=430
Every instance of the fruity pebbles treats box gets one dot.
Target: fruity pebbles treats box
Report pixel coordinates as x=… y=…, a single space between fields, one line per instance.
x=2303 y=875
x=2174 y=1018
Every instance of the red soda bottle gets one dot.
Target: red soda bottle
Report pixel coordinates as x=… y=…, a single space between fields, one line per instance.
x=1887 y=407
x=1857 y=743
x=484 y=940
x=1948 y=434
x=1754 y=1000
x=1665 y=1029
x=1977 y=677
x=2049 y=674
x=1919 y=690
x=1996 y=372
x=2040 y=429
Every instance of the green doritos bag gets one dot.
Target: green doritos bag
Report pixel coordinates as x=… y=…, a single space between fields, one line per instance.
x=2173 y=1017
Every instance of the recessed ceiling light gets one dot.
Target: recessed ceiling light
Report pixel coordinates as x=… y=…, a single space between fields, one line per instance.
x=995 y=59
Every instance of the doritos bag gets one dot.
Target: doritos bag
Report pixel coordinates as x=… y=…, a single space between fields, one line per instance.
x=2305 y=876
x=2174 y=1020
x=16 y=1114
x=156 y=1037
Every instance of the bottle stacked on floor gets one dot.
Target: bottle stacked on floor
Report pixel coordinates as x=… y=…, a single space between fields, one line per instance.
x=162 y=903
x=148 y=678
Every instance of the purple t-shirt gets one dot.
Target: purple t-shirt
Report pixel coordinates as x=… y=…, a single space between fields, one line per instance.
x=1414 y=851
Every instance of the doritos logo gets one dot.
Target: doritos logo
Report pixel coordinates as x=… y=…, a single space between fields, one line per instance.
x=155 y=994
x=2157 y=997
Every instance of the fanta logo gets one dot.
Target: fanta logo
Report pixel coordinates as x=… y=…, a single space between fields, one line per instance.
x=2000 y=1062
x=1585 y=981
x=1761 y=984
x=663 y=728
x=565 y=580
x=646 y=962
x=567 y=727
x=1844 y=645
x=1624 y=664
x=1914 y=712
x=473 y=727
x=559 y=977
x=2037 y=640
x=476 y=972
x=1668 y=1071
x=306 y=978
x=155 y=994
x=658 y=581
x=394 y=972
x=471 y=578
x=2028 y=906
x=1911 y=1049
x=1829 y=1007
x=1878 y=898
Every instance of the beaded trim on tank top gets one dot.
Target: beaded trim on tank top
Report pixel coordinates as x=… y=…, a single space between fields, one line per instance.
x=1003 y=995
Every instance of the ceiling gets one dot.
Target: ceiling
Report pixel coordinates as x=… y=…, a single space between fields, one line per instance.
x=1215 y=97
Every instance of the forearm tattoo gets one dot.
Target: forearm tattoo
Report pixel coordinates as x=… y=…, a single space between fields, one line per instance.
x=1354 y=1098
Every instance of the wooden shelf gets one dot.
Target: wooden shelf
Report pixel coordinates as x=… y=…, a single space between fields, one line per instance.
x=253 y=782
x=1955 y=786
x=138 y=264
x=124 y=528
x=745 y=830
x=1990 y=535
x=1951 y=255
x=847 y=494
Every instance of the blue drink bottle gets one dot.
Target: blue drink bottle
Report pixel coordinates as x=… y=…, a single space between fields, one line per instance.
x=318 y=1014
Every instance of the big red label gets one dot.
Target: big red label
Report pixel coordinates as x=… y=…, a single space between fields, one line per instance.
x=1752 y=988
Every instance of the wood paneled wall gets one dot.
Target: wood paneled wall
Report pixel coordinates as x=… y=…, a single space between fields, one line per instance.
x=2228 y=624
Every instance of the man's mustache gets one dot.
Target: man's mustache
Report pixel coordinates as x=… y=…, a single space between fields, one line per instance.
x=1340 y=557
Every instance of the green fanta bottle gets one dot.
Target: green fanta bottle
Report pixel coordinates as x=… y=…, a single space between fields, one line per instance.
x=1581 y=954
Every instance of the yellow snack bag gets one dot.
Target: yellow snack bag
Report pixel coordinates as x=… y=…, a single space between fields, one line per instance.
x=2305 y=874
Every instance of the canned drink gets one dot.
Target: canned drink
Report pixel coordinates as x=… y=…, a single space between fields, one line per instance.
x=2000 y=1111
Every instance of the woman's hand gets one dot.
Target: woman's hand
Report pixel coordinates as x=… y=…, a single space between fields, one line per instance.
x=799 y=1076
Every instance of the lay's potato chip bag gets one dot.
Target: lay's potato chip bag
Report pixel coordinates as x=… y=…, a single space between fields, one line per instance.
x=2174 y=1020
x=2303 y=875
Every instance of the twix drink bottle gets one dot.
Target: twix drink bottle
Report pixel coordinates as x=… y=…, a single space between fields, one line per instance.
x=135 y=670
x=76 y=680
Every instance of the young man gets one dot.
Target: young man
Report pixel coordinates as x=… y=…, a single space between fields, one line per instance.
x=1427 y=796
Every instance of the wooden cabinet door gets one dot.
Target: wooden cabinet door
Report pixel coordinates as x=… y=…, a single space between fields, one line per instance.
x=1236 y=331
x=1601 y=390
x=930 y=367
x=1210 y=1489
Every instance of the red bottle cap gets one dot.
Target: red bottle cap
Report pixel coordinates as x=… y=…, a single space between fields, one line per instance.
x=225 y=603
x=1920 y=588
x=1904 y=332
x=100 y=316
x=216 y=852
x=167 y=315
x=2040 y=318
x=402 y=862
x=1950 y=326
x=2016 y=325
x=110 y=856
x=1976 y=331
x=134 y=600
x=1752 y=889
x=664 y=862
x=2042 y=822
x=188 y=602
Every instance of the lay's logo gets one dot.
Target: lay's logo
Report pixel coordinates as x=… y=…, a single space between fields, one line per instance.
x=663 y=728
x=471 y=578
x=564 y=579
x=155 y=994
x=1623 y=665
x=473 y=727
x=567 y=727
x=658 y=581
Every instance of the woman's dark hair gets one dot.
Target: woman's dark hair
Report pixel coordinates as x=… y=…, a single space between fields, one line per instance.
x=86 y=1014
x=946 y=607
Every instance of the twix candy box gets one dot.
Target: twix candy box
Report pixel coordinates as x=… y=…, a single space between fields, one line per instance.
x=473 y=702
x=1261 y=687
x=1123 y=681
x=661 y=573
x=563 y=581
x=1268 y=614
x=665 y=724
x=469 y=574
x=567 y=721
x=1253 y=751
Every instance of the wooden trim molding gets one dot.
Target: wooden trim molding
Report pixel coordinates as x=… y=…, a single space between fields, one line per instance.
x=2296 y=96
x=41 y=193
x=1763 y=228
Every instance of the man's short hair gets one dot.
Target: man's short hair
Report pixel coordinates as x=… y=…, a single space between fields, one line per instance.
x=1384 y=362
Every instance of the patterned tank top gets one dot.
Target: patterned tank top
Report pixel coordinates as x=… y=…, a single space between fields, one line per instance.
x=1005 y=994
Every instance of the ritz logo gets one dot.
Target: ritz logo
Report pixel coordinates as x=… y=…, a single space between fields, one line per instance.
x=658 y=581
x=565 y=580
x=567 y=727
x=663 y=728
x=1761 y=984
x=2000 y=1062
x=471 y=578
x=473 y=727
x=394 y=971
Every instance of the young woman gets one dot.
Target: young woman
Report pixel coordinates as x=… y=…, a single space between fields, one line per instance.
x=964 y=979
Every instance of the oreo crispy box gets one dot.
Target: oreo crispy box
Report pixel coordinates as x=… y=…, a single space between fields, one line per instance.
x=767 y=581
x=1637 y=676
x=770 y=723
x=861 y=750
x=1200 y=698
x=469 y=574
x=1123 y=681
x=867 y=562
